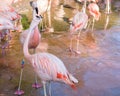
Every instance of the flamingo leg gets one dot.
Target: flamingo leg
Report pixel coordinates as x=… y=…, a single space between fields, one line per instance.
x=50 y=89
x=89 y=24
x=107 y=22
x=20 y=92
x=35 y=73
x=20 y=79
x=71 y=39
x=44 y=88
x=77 y=49
x=36 y=84
x=108 y=7
x=36 y=81
x=93 y=24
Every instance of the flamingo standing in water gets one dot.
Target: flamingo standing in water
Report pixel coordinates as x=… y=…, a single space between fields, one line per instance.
x=78 y=23
x=46 y=65
x=94 y=12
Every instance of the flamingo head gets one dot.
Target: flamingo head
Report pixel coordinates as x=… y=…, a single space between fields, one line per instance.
x=36 y=20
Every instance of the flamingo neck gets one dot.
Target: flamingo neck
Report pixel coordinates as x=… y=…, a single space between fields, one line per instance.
x=25 y=46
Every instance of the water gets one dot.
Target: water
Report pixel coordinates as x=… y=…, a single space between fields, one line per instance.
x=97 y=67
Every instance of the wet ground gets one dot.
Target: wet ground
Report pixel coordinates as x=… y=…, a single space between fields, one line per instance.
x=97 y=67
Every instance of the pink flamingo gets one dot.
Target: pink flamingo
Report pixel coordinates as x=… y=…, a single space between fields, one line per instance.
x=7 y=15
x=94 y=12
x=6 y=24
x=78 y=23
x=46 y=65
x=34 y=38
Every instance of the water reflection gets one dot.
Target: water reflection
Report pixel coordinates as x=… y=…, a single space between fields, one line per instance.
x=106 y=22
x=98 y=70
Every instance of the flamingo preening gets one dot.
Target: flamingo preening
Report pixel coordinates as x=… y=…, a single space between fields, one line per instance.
x=78 y=23
x=94 y=12
x=46 y=65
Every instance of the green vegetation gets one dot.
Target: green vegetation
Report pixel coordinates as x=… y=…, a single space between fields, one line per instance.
x=25 y=22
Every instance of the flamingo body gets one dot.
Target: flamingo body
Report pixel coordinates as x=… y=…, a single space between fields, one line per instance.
x=79 y=21
x=94 y=10
x=6 y=24
x=51 y=68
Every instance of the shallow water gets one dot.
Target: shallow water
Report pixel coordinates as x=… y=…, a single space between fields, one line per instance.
x=97 y=67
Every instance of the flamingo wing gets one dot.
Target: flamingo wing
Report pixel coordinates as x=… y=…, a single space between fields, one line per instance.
x=50 y=67
x=79 y=21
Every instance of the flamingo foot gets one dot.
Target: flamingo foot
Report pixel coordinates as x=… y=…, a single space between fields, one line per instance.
x=77 y=52
x=70 y=49
x=36 y=85
x=19 y=92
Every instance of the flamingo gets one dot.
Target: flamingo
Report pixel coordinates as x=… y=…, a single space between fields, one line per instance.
x=94 y=12
x=7 y=16
x=6 y=24
x=34 y=38
x=46 y=65
x=78 y=23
